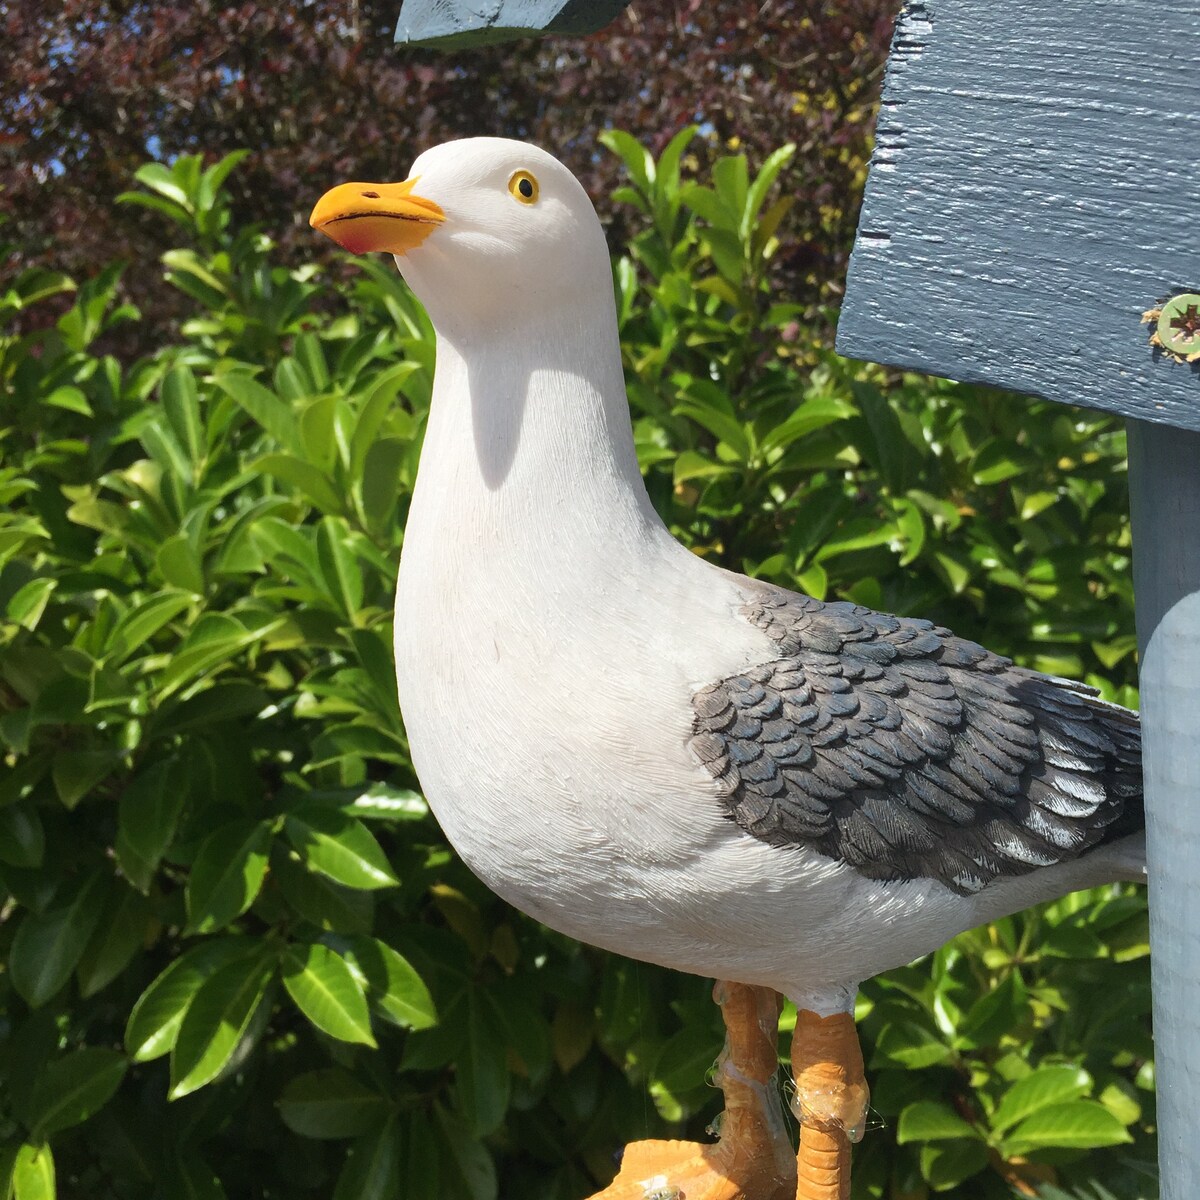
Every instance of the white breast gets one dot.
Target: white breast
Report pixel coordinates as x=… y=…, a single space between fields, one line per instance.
x=550 y=634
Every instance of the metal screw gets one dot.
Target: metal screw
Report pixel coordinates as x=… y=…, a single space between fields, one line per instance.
x=1179 y=324
x=659 y=1188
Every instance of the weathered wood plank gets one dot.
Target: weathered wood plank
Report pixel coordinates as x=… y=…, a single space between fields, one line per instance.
x=1164 y=477
x=451 y=24
x=1035 y=188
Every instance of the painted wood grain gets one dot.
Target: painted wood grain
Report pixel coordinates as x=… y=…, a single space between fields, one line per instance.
x=1165 y=488
x=451 y=24
x=1035 y=188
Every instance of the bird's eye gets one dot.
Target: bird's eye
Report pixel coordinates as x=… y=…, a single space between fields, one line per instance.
x=524 y=187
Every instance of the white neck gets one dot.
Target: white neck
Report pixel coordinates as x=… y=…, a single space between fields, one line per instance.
x=535 y=464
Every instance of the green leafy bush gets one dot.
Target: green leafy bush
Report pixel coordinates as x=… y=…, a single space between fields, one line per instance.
x=240 y=958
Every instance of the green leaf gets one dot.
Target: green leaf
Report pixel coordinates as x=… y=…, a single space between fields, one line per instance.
x=330 y=1103
x=632 y=154
x=226 y=875
x=216 y=705
x=180 y=565
x=264 y=406
x=181 y=404
x=22 y=838
x=722 y=425
x=956 y=572
x=147 y=816
x=466 y=1161
x=813 y=414
x=705 y=202
x=313 y=483
x=421 y=1165
x=1120 y=1098
x=292 y=383
x=483 y=1083
x=374 y=413
x=326 y=904
x=215 y=1020
x=374 y=653
x=338 y=846
x=382 y=802
x=157 y=203
x=1078 y=1124
x=526 y=1032
x=944 y=1165
x=932 y=1121
x=188 y=272
x=692 y=465
x=76 y=772
x=48 y=945
x=119 y=935
x=71 y=399
x=731 y=176
x=8 y=1163
x=29 y=602
x=142 y=622
x=856 y=534
x=996 y=1012
x=767 y=174
x=154 y=1023
x=33 y=1173
x=214 y=178
x=189 y=1177
x=70 y=1090
x=307 y=349
x=998 y=461
x=1071 y=940
x=327 y=992
x=909 y=1045
x=371 y=1165
x=162 y=447
x=211 y=642
x=380 y=484
x=355 y=741
x=340 y=569
x=680 y=1069
x=160 y=178
x=1044 y=1088
x=392 y=984
x=317 y=431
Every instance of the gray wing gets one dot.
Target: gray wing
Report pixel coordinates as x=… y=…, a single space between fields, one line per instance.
x=892 y=745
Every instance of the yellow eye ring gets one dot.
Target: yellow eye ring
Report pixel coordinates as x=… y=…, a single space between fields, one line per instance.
x=524 y=187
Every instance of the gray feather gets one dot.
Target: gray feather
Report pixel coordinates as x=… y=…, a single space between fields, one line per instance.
x=891 y=745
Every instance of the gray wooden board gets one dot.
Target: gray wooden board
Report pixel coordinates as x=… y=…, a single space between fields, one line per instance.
x=451 y=24
x=1164 y=485
x=1035 y=188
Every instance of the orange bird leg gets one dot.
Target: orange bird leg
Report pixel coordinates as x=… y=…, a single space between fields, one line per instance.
x=830 y=1103
x=753 y=1159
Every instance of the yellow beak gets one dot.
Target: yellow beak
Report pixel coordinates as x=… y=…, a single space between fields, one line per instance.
x=376 y=216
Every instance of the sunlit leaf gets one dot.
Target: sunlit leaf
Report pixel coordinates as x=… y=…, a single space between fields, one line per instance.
x=335 y=844
x=217 y=1016
x=327 y=992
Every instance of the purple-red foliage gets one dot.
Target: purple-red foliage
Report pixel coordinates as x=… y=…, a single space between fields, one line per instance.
x=319 y=93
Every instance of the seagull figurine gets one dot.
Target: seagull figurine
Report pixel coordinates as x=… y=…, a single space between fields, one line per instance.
x=670 y=760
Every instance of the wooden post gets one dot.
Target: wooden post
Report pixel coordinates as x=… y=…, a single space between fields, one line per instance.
x=1035 y=190
x=1164 y=482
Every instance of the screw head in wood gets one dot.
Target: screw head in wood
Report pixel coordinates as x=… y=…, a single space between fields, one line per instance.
x=1179 y=324
x=1176 y=325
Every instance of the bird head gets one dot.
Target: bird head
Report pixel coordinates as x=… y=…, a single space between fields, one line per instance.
x=486 y=231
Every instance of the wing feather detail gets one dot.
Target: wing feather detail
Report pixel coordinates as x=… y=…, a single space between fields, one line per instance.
x=889 y=744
